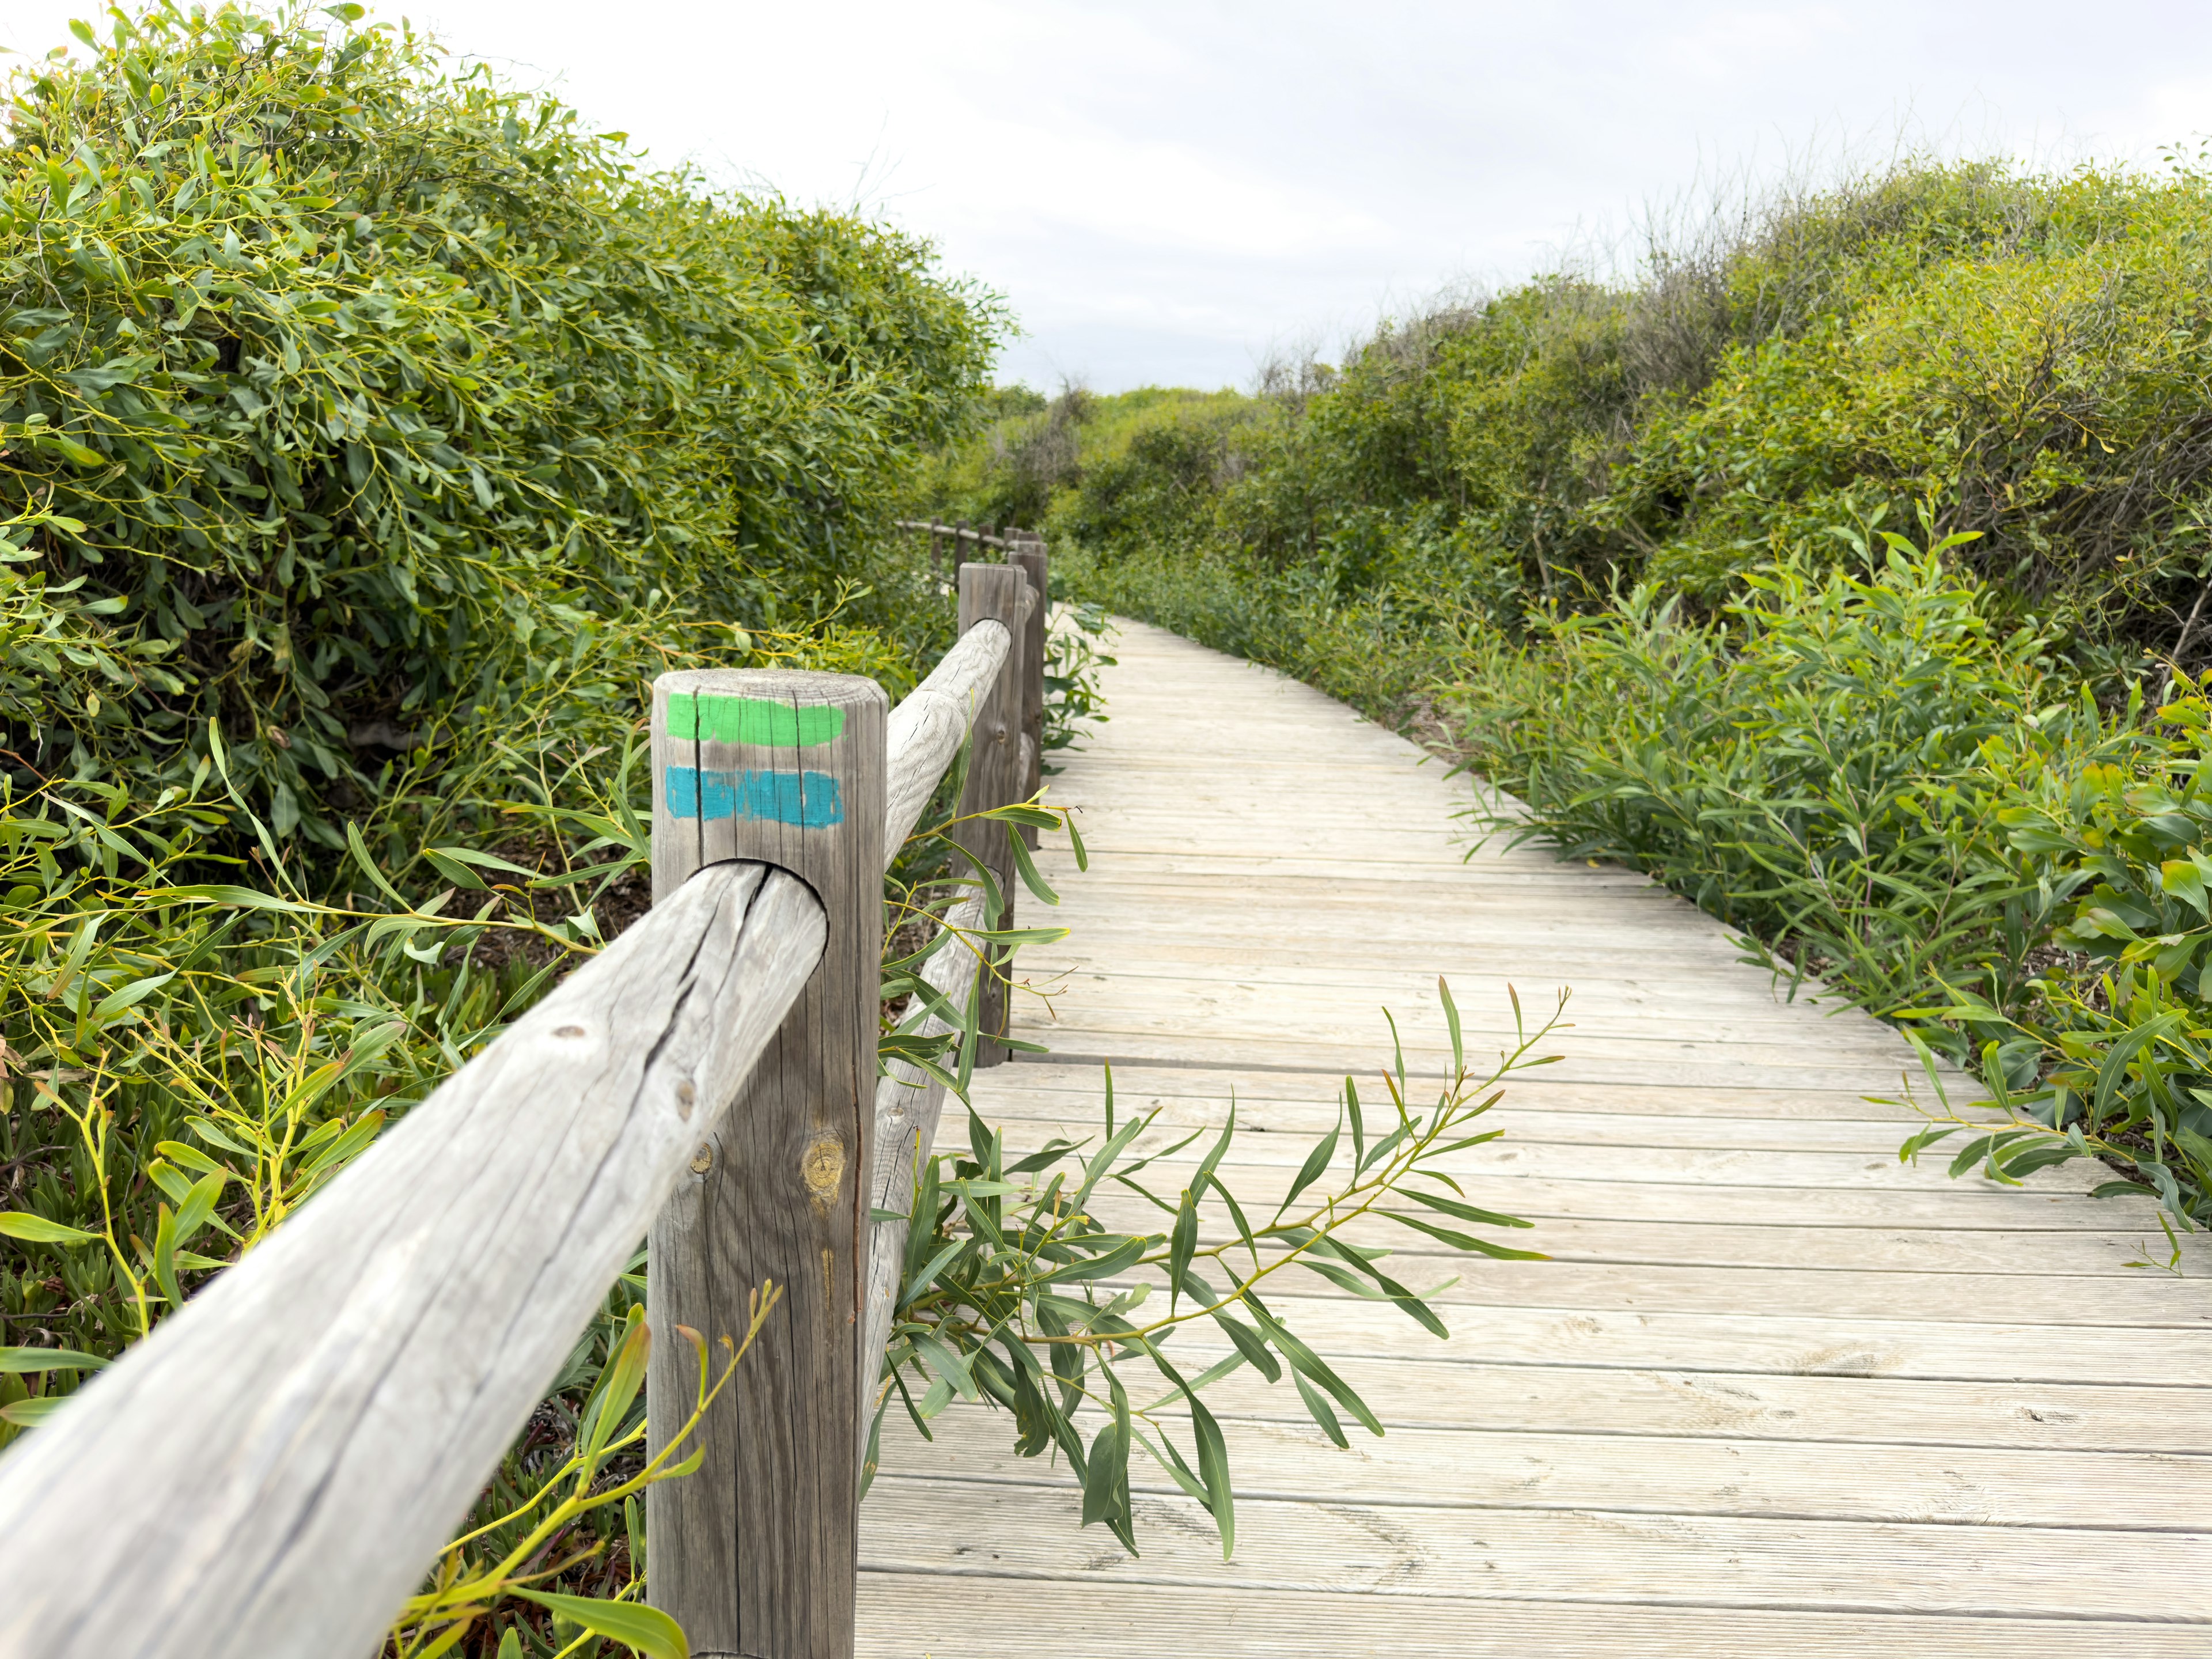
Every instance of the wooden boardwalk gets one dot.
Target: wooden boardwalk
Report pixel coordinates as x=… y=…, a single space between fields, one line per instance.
x=1776 y=1395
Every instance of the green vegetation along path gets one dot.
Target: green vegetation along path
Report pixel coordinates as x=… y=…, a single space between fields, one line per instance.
x=1776 y=1394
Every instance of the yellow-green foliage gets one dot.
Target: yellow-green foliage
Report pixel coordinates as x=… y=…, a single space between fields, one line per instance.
x=359 y=383
x=2030 y=355
x=368 y=436
x=2032 y=360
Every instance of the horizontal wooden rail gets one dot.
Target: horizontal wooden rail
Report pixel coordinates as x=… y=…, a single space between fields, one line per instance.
x=270 y=1472
x=909 y=1103
x=928 y=727
x=1012 y=537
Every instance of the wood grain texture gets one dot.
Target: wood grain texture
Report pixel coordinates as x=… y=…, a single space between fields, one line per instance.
x=1030 y=559
x=272 y=1471
x=989 y=591
x=931 y=723
x=754 y=1553
x=1152 y=1621
x=909 y=1103
x=1780 y=1393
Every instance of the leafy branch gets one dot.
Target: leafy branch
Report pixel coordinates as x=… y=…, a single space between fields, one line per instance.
x=1020 y=1292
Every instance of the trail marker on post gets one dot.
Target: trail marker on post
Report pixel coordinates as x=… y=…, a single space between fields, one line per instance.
x=755 y=1553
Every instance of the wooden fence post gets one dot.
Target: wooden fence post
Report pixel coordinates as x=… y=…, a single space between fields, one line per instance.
x=1028 y=555
x=991 y=592
x=754 y=1555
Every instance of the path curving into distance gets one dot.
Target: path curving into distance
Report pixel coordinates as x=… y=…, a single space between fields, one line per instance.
x=1777 y=1395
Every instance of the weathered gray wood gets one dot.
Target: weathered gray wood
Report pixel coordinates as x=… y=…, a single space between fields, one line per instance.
x=1154 y=1620
x=1409 y=1549
x=754 y=1553
x=1627 y=1472
x=272 y=1472
x=1029 y=556
x=932 y=722
x=994 y=592
x=909 y=1103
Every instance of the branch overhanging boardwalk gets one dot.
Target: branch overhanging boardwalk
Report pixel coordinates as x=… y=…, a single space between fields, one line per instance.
x=1778 y=1393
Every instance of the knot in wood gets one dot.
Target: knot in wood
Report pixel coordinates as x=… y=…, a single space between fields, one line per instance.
x=703 y=1159
x=822 y=1166
x=686 y=1097
x=568 y=1031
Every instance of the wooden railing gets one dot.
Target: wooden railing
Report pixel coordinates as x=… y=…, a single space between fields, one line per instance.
x=272 y=1471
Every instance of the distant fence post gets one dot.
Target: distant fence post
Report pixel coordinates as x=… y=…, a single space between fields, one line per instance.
x=756 y=1552
x=1028 y=556
x=994 y=592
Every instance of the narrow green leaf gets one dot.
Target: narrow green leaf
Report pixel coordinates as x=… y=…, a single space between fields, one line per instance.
x=29 y=1414
x=646 y=1631
x=361 y=856
x=1318 y=1408
x=1317 y=1161
x=36 y=1230
x=1465 y=1211
x=1182 y=1241
x=1027 y=866
x=17 y=1362
x=1213 y=1459
x=1463 y=1240
x=1451 y=1020
x=119 y=1001
x=1250 y=1345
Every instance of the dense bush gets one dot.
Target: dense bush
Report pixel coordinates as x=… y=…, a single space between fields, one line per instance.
x=369 y=437
x=360 y=389
x=1880 y=786
x=2030 y=355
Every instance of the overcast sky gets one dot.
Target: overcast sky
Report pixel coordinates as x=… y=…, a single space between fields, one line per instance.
x=1168 y=192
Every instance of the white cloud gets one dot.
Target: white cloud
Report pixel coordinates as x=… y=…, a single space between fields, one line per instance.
x=1164 y=189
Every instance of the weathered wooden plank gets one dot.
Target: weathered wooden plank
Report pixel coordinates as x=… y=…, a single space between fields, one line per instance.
x=904 y=1613
x=1836 y=1272
x=1957 y=1254
x=1408 y=1550
x=1195 y=1088
x=273 y=1469
x=1934 y=1415
x=754 y=1552
x=1935 y=1292
x=1524 y=1126
x=1275 y=1157
x=1803 y=1345
x=1460 y=1469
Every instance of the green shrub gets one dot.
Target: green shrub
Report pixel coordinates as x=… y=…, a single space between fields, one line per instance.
x=383 y=432
x=1881 y=786
x=361 y=386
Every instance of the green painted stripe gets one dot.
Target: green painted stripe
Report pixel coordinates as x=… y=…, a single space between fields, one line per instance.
x=752 y=719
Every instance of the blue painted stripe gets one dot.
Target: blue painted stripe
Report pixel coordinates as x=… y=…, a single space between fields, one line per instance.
x=808 y=800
